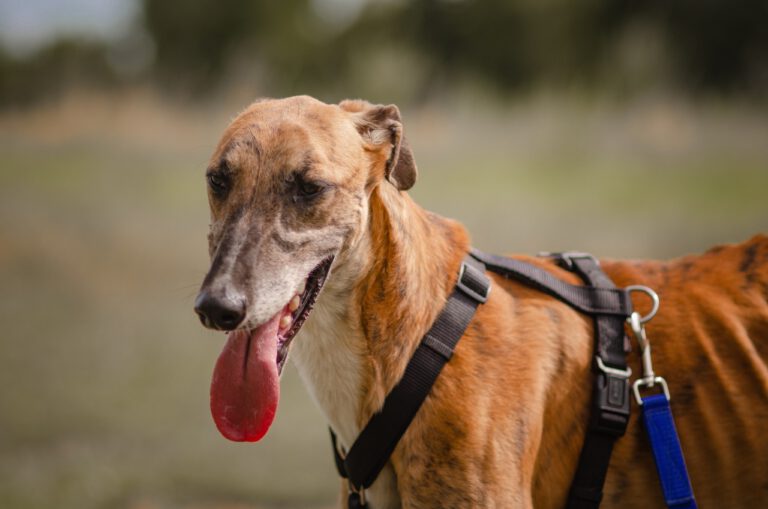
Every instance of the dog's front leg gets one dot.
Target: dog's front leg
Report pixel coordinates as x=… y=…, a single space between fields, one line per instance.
x=441 y=488
x=439 y=473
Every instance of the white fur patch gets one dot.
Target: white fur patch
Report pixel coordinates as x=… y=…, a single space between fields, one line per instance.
x=330 y=358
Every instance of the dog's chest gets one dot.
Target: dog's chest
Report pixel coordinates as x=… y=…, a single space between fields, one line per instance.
x=329 y=355
x=330 y=363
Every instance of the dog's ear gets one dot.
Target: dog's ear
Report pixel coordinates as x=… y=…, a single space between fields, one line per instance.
x=381 y=127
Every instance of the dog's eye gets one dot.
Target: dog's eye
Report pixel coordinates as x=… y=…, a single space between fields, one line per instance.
x=307 y=189
x=304 y=189
x=218 y=183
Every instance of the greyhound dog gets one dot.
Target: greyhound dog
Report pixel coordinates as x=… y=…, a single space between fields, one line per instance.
x=317 y=251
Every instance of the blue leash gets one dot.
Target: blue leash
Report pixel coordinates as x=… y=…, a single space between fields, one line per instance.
x=659 y=423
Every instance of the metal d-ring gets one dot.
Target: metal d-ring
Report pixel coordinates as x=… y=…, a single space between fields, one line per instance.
x=650 y=293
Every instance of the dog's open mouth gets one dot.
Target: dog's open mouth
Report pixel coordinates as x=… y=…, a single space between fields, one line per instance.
x=297 y=310
x=245 y=387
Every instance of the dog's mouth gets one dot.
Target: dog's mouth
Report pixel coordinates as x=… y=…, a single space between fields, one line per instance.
x=295 y=313
x=245 y=387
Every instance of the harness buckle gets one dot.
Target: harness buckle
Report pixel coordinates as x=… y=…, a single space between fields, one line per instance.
x=473 y=283
x=611 y=399
x=622 y=373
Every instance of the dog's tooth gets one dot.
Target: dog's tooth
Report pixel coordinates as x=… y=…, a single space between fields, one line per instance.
x=285 y=321
x=294 y=304
x=302 y=287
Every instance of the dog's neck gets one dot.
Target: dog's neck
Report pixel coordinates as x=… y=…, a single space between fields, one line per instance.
x=383 y=295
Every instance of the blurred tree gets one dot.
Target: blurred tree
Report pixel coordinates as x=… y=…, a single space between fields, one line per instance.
x=512 y=44
x=198 y=41
x=197 y=36
x=716 y=45
x=712 y=45
x=64 y=65
x=410 y=49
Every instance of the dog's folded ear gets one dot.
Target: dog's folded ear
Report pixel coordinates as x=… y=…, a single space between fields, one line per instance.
x=381 y=127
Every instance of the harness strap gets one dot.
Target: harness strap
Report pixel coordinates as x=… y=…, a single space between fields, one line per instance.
x=373 y=447
x=610 y=400
x=601 y=300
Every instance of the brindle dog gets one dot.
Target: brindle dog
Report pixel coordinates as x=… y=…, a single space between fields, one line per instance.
x=307 y=196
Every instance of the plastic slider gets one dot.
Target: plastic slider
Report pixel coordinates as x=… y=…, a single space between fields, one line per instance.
x=473 y=282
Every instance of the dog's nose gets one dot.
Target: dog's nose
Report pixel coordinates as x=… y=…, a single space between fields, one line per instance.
x=224 y=312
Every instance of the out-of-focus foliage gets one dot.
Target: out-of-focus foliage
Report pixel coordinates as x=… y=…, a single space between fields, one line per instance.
x=709 y=44
x=715 y=44
x=411 y=49
x=66 y=63
x=202 y=43
x=698 y=45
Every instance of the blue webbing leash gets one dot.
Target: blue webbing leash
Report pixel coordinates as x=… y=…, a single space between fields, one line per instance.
x=657 y=418
x=660 y=425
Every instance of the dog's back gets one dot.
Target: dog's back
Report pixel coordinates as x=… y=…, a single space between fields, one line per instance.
x=710 y=342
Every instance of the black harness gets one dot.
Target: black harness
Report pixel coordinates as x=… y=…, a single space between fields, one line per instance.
x=610 y=307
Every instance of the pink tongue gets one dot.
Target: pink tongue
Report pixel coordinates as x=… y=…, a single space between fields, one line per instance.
x=245 y=386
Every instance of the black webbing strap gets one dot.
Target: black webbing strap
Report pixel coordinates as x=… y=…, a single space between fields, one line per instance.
x=599 y=300
x=373 y=447
x=610 y=400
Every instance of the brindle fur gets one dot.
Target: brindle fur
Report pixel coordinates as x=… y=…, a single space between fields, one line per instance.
x=504 y=424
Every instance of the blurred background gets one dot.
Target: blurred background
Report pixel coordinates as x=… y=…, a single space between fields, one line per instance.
x=628 y=129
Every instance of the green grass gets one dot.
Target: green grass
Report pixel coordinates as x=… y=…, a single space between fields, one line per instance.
x=104 y=369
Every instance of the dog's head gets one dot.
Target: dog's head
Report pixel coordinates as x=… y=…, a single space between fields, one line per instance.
x=288 y=187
